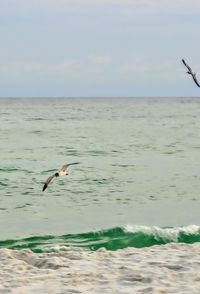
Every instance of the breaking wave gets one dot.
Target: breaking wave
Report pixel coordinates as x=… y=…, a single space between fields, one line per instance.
x=110 y=239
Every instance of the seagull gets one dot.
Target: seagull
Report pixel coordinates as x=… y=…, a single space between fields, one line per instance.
x=190 y=72
x=61 y=172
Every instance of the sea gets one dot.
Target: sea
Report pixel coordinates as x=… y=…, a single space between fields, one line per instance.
x=137 y=184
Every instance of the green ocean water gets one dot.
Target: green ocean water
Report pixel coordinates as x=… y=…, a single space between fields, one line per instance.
x=140 y=163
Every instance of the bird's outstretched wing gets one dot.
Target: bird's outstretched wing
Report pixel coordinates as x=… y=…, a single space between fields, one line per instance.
x=47 y=182
x=195 y=80
x=191 y=72
x=188 y=67
x=65 y=166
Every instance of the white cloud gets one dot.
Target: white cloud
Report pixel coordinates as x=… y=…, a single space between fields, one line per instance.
x=100 y=60
x=92 y=68
x=144 y=70
x=73 y=69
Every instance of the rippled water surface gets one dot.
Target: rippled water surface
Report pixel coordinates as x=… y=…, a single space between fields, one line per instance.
x=140 y=164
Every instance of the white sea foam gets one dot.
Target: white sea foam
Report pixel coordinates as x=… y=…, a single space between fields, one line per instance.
x=171 y=268
x=167 y=234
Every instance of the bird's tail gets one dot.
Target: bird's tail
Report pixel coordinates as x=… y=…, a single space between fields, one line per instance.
x=44 y=187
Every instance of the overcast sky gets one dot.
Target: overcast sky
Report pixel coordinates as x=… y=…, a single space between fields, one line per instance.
x=98 y=47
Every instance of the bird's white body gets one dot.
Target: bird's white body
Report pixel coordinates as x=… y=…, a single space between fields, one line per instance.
x=63 y=173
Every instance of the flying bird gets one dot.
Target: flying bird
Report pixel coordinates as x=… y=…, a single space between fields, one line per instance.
x=190 y=72
x=61 y=172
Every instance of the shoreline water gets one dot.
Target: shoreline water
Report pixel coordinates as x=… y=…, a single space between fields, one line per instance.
x=171 y=268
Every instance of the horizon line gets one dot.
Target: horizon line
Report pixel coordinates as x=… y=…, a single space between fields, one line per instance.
x=93 y=97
